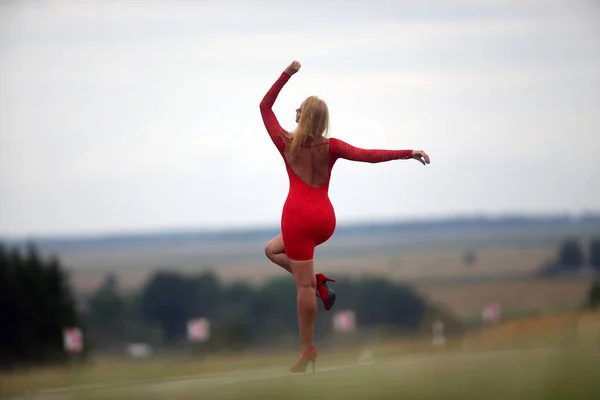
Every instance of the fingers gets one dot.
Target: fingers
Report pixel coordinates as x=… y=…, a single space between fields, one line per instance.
x=422 y=157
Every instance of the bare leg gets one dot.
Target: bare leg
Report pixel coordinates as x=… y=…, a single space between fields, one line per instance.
x=304 y=275
x=275 y=251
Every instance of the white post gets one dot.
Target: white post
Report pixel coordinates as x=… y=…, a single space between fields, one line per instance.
x=438 y=333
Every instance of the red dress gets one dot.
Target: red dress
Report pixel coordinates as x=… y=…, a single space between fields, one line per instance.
x=308 y=218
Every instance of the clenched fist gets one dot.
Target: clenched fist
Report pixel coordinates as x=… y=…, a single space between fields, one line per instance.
x=293 y=67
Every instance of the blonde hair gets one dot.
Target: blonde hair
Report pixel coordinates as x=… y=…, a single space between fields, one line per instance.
x=312 y=125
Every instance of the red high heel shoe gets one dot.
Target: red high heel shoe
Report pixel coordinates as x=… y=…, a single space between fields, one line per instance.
x=324 y=291
x=309 y=355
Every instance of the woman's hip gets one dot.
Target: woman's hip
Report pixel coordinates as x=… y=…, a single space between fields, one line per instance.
x=316 y=223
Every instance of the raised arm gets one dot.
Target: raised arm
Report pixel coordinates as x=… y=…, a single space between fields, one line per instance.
x=266 y=110
x=266 y=105
x=340 y=149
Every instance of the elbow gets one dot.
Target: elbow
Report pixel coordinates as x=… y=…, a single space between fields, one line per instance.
x=263 y=106
x=266 y=104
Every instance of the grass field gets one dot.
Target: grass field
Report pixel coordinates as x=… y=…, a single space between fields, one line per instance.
x=541 y=374
x=490 y=376
x=549 y=357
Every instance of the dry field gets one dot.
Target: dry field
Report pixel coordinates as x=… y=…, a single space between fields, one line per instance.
x=554 y=329
x=410 y=266
x=468 y=299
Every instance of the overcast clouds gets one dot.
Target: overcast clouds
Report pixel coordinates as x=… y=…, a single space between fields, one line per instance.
x=144 y=115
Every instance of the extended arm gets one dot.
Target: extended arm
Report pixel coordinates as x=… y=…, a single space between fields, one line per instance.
x=341 y=149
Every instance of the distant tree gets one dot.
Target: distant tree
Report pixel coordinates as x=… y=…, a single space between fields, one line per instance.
x=170 y=299
x=570 y=254
x=36 y=305
x=550 y=268
x=595 y=254
x=238 y=296
x=570 y=259
x=380 y=302
x=594 y=295
x=106 y=313
x=383 y=302
x=208 y=294
x=469 y=258
x=272 y=310
x=111 y=283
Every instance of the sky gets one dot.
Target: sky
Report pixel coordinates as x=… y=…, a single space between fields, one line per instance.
x=126 y=116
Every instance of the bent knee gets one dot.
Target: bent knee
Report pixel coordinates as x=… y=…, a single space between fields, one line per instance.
x=272 y=251
x=269 y=251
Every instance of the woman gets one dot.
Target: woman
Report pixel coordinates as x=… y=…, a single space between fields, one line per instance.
x=308 y=217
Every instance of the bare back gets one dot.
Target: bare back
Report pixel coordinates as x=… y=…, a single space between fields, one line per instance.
x=311 y=164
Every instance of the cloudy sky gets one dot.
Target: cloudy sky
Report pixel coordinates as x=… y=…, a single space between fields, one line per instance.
x=124 y=116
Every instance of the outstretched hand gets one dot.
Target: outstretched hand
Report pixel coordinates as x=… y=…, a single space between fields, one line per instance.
x=293 y=67
x=420 y=156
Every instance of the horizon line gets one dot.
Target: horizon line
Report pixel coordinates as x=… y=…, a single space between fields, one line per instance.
x=149 y=232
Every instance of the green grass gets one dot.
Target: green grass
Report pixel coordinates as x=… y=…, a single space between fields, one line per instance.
x=402 y=368
x=568 y=375
x=119 y=370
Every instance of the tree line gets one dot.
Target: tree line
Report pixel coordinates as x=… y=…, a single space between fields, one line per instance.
x=572 y=257
x=240 y=315
x=37 y=305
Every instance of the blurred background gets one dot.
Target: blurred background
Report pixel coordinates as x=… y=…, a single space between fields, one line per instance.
x=138 y=186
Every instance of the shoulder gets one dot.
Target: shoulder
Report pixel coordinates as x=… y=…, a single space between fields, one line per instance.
x=334 y=142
